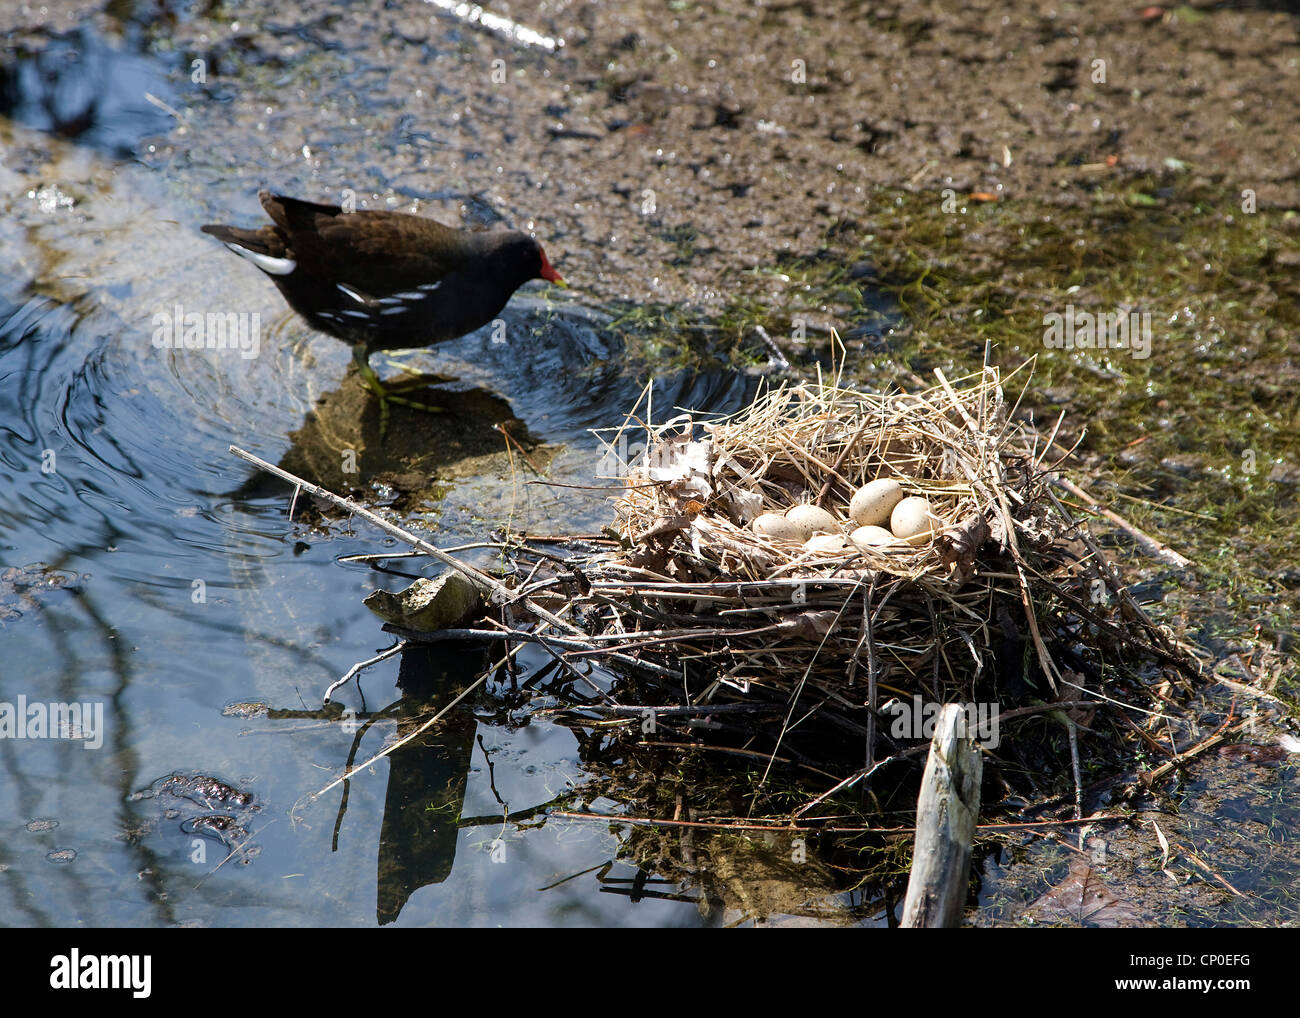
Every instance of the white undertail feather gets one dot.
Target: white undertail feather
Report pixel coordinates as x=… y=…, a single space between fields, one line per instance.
x=275 y=266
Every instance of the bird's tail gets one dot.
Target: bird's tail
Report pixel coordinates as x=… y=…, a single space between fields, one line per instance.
x=265 y=248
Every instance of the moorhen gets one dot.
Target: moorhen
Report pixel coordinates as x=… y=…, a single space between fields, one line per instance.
x=385 y=280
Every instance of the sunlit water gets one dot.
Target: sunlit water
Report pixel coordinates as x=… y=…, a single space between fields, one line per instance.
x=138 y=583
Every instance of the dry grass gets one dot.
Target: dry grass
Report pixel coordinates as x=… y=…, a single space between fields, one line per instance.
x=695 y=585
x=764 y=642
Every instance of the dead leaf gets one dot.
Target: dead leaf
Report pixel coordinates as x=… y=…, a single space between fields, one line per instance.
x=1246 y=752
x=958 y=546
x=1081 y=899
x=1164 y=845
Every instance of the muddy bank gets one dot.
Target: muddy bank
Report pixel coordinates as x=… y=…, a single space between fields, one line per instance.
x=679 y=152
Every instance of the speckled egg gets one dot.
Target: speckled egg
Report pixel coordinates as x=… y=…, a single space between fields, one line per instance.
x=872 y=537
x=777 y=527
x=812 y=519
x=913 y=521
x=872 y=503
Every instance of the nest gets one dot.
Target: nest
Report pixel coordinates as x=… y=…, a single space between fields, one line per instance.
x=711 y=625
x=695 y=586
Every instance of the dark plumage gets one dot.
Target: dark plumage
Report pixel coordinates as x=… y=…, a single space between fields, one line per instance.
x=385 y=280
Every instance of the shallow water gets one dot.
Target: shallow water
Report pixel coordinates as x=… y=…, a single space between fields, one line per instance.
x=139 y=581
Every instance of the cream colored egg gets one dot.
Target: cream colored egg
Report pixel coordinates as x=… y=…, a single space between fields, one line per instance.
x=777 y=527
x=872 y=503
x=812 y=519
x=913 y=521
x=828 y=544
x=872 y=537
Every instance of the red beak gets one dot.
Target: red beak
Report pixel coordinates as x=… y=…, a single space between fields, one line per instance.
x=548 y=273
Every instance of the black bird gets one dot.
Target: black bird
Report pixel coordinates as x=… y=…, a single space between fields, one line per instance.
x=385 y=280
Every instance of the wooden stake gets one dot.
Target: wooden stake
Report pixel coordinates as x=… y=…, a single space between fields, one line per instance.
x=946 y=812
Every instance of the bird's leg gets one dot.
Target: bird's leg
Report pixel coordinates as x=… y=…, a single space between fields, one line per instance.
x=361 y=357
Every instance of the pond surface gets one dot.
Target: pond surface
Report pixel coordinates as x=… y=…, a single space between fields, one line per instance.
x=140 y=582
x=198 y=626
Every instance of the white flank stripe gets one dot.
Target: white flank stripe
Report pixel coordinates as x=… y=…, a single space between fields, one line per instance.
x=274 y=266
x=355 y=314
x=411 y=295
x=352 y=293
x=394 y=311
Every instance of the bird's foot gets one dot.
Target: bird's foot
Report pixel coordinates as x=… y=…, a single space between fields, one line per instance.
x=410 y=378
x=384 y=400
x=384 y=394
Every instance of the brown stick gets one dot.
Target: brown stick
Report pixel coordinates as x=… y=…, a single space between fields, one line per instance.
x=1151 y=777
x=726 y=825
x=1148 y=543
x=834 y=474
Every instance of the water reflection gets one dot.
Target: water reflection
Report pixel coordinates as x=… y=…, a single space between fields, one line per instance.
x=141 y=572
x=76 y=86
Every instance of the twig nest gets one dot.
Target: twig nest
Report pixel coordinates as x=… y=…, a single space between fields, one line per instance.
x=828 y=544
x=777 y=527
x=913 y=521
x=872 y=537
x=812 y=519
x=872 y=503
